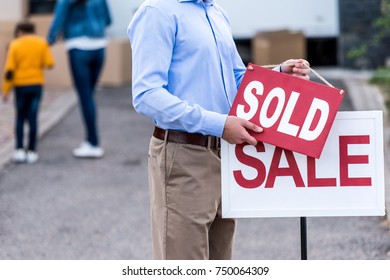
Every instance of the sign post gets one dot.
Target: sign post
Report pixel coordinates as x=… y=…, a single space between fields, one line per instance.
x=303 y=238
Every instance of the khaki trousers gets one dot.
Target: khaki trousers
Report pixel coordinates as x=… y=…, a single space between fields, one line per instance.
x=185 y=198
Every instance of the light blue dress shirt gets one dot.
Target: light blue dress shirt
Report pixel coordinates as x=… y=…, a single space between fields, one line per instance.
x=186 y=68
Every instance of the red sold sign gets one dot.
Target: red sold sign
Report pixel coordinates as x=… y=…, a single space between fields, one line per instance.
x=296 y=114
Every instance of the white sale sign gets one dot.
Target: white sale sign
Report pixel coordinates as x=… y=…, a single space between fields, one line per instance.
x=347 y=180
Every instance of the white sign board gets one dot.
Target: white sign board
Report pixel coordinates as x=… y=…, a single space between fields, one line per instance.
x=347 y=180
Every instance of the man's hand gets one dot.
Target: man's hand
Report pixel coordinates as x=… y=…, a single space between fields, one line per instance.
x=236 y=131
x=297 y=67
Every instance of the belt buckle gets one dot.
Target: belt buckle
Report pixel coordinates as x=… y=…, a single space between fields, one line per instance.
x=218 y=143
x=213 y=142
x=218 y=146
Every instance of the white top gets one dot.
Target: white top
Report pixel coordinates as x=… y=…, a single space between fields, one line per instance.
x=85 y=43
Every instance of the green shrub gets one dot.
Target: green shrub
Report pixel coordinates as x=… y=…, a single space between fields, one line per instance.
x=381 y=30
x=381 y=78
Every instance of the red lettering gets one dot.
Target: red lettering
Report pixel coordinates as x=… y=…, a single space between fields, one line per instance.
x=346 y=159
x=292 y=170
x=252 y=162
x=312 y=180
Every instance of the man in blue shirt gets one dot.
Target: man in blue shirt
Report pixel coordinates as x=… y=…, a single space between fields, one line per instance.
x=186 y=72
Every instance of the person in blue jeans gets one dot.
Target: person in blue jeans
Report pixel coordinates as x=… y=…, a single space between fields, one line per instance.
x=27 y=56
x=82 y=24
x=27 y=101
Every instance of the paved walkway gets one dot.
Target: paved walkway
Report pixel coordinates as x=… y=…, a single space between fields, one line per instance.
x=55 y=104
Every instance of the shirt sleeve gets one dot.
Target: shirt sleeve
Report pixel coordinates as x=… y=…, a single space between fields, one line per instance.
x=107 y=13
x=238 y=66
x=48 y=59
x=152 y=38
x=60 y=14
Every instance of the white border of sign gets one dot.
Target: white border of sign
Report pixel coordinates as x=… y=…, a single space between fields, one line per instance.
x=287 y=200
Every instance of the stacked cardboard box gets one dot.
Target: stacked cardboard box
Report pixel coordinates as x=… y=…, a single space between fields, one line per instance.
x=117 y=67
x=116 y=71
x=6 y=35
x=275 y=47
x=59 y=77
x=117 y=64
x=42 y=23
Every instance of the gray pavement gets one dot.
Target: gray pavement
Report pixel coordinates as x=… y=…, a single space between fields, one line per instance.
x=64 y=208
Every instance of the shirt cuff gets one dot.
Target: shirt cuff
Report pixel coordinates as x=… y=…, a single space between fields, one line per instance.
x=278 y=68
x=214 y=124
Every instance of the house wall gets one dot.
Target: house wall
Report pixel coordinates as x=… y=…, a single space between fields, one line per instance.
x=332 y=28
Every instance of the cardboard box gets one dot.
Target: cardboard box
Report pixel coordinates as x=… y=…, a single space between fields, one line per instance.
x=3 y=55
x=6 y=35
x=42 y=23
x=277 y=46
x=117 y=65
x=116 y=71
x=59 y=76
x=4 y=43
x=7 y=28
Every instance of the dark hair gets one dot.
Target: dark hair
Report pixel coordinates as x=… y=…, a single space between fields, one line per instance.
x=25 y=27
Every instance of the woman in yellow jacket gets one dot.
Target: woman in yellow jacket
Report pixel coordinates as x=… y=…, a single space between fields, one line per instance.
x=27 y=56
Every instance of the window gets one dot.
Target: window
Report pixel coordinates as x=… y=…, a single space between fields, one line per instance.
x=41 y=7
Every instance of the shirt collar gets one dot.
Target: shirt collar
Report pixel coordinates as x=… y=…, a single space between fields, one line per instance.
x=207 y=2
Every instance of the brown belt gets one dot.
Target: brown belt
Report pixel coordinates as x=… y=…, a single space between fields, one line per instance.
x=188 y=138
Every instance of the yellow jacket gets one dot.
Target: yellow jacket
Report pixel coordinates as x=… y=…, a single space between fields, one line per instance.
x=27 y=56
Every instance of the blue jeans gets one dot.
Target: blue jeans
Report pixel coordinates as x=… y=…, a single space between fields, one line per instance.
x=27 y=100
x=86 y=67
